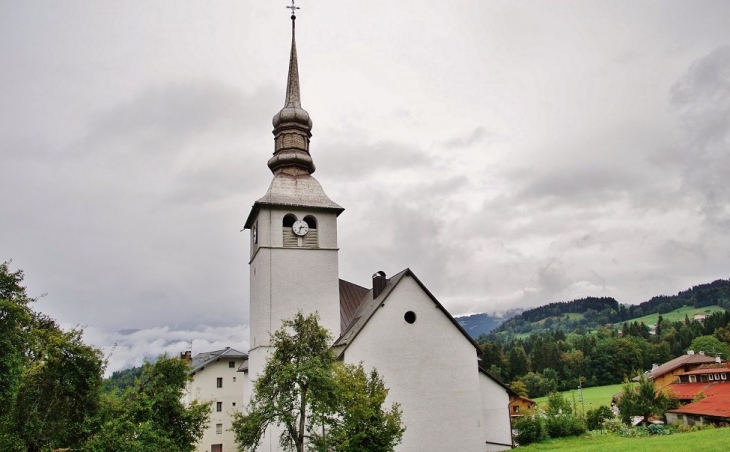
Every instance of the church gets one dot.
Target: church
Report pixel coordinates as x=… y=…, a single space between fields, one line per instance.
x=426 y=359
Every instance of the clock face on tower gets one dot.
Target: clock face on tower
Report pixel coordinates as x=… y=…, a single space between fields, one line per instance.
x=300 y=228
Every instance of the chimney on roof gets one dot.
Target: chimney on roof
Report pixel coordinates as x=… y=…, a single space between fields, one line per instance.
x=379 y=282
x=654 y=366
x=690 y=352
x=702 y=353
x=718 y=360
x=187 y=356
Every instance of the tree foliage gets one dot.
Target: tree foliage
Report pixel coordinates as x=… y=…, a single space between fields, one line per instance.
x=644 y=400
x=51 y=394
x=49 y=379
x=317 y=404
x=150 y=415
x=361 y=424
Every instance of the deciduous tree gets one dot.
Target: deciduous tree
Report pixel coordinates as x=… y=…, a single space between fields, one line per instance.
x=317 y=404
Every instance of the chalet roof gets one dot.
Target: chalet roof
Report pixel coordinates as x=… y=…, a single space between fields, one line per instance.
x=678 y=362
x=523 y=398
x=715 y=368
x=203 y=359
x=716 y=402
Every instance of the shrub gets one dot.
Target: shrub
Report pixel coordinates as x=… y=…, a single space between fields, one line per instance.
x=595 y=418
x=655 y=429
x=561 y=425
x=530 y=429
x=614 y=425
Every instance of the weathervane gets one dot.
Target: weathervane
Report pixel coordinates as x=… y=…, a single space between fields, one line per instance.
x=293 y=9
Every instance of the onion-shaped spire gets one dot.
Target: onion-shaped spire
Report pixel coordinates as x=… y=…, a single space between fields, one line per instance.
x=292 y=125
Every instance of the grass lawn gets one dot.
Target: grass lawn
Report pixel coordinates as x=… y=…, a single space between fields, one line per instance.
x=594 y=397
x=704 y=441
x=678 y=314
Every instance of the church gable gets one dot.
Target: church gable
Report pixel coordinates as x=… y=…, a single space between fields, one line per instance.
x=367 y=306
x=428 y=363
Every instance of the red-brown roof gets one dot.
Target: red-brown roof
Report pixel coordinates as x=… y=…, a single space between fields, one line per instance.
x=678 y=362
x=715 y=404
x=708 y=370
x=351 y=295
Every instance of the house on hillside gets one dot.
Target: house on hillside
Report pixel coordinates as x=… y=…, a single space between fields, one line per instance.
x=216 y=378
x=519 y=406
x=706 y=394
x=668 y=372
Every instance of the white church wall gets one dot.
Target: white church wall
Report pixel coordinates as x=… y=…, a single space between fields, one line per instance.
x=430 y=369
x=495 y=412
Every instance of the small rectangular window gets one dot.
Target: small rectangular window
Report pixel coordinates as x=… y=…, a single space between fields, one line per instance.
x=231 y=364
x=219 y=406
x=723 y=376
x=216 y=448
x=710 y=377
x=234 y=403
x=218 y=429
x=219 y=382
x=692 y=379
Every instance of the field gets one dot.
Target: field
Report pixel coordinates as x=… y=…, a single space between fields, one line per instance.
x=707 y=440
x=678 y=314
x=594 y=397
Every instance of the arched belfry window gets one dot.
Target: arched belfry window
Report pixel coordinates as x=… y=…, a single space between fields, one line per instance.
x=311 y=239
x=298 y=233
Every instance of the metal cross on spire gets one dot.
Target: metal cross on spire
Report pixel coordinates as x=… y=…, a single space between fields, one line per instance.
x=293 y=9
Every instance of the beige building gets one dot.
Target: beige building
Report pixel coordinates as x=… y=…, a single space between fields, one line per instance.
x=216 y=379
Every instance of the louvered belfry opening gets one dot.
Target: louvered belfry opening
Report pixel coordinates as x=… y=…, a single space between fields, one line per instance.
x=291 y=240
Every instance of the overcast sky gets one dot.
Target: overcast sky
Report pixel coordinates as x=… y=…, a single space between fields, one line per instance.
x=511 y=153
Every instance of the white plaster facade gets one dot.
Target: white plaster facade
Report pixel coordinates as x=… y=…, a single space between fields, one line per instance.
x=225 y=394
x=431 y=369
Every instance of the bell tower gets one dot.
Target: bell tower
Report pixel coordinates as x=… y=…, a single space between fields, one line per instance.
x=293 y=233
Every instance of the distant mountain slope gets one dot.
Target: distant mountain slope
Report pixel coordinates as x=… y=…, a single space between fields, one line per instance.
x=589 y=313
x=478 y=324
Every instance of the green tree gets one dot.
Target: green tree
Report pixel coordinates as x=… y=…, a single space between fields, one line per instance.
x=361 y=425
x=317 y=403
x=150 y=415
x=49 y=379
x=711 y=345
x=520 y=388
x=644 y=400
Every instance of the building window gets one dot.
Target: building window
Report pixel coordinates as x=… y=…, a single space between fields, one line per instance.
x=234 y=403
x=710 y=377
x=218 y=429
x=216 y=448
x=219 y=382
x=231 y=364
x=517 y=409
x=693 y=379
x=219 y=406
x=723 y=376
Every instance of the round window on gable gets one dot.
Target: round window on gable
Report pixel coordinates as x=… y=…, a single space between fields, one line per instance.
x=410 y=317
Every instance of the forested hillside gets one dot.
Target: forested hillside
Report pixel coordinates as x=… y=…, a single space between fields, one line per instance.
x=586 y=314
x=596 y=340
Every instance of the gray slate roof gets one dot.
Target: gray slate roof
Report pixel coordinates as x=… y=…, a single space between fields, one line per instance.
x=297 y=191
x=203 y=359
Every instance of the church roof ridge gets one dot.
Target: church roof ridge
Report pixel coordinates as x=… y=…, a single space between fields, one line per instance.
x=370 y=305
